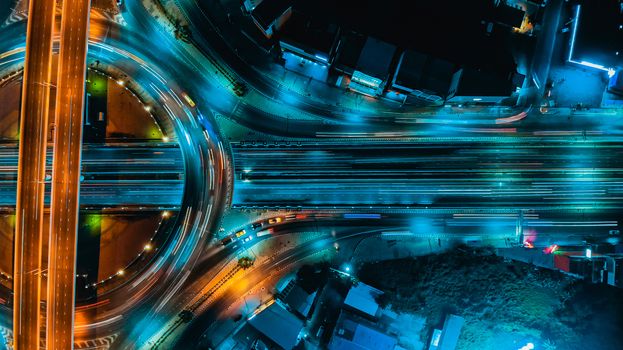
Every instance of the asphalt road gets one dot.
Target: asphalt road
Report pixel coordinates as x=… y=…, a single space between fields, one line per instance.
x=31 y=172
x=153 y=296
x=142 y=175
x=541 y=176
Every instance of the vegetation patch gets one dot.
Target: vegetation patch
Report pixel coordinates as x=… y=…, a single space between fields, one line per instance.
x=505 y=303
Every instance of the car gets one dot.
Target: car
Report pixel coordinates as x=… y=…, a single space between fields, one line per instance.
x=276 y=220
x=190 y=102
x=227 y=240
x=241 y=233
x=256 y=225
x=250 y=238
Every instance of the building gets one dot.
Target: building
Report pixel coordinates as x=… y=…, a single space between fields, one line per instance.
x=508 y=16
x=487 y=86
x=278 y=325
x=250 y=5
x=313 y=40
x=361 y=298
x=596 y=37
x=604 y=267
x=373 y=67
x=348 y=50
x=447 y=337
x=427 y=77
x=270 y=15
x=352 y=332
x=297 y=299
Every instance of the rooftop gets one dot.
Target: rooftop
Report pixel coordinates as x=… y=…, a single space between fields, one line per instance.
x=303 y=32
x=269 y=10
x=454 y=30
x=418 y=71
x=375 y=58
x=451 y=331
x=278 y=325
x=362 y=297
x=599 y=35
x=350 y=334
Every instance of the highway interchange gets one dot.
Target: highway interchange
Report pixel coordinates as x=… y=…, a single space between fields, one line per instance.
x=555 y=178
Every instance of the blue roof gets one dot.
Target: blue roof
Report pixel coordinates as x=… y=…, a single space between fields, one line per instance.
x=351 y=335
x=278 y=324
x=450 y=333
x=362 y=297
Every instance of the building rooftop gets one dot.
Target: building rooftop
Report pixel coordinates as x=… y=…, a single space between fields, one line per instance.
x=278 y=325
x=362 y=297
x=417 y=71
x=450 y=332
x=508 y=15
x=598 y=36
x=454 y=30
x=309 y=35
x=375 y=58
x=480 y=82
x=269 y=10
x=299 y=300
x=350 y=334
x=351 y=44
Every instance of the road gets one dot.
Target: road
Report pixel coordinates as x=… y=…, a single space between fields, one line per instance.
x=519 y=175
x=495 y=229
x=114 y=175
x=172 y=63
x=30 y=175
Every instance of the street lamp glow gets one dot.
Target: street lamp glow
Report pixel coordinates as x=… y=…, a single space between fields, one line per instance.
x=165 y=214
x=120 y=82
x=165 y=138
x=147 y=247
x=120 y=272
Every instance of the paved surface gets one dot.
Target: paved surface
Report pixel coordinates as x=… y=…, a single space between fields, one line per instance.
x=64 y=202
x=134 y=174
x=30 y=175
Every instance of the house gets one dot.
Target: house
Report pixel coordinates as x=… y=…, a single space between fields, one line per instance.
x=277 y=324
x=297 y=299
x=361 y=298
x=373 y=67
x=310 y=39
x=447 y=337
x=348 y=50
x=353 y=333
x=486 y=86
x=270 y=15
x=421 y=74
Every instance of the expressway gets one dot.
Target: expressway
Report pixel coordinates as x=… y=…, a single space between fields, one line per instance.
x=65 y=201
x=540 y=175
x=30 y=175
x=114 y=175
x=139 y=302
